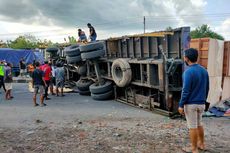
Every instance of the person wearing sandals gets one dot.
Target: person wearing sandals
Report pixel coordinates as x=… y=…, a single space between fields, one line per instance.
x=38 y=83
x=193 y=98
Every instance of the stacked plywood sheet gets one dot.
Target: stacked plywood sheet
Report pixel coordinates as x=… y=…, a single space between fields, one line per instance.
x=226 y=64
x=211 y=53
x=226 y=71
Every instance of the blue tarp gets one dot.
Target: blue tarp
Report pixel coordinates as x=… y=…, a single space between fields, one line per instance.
x=13 y=56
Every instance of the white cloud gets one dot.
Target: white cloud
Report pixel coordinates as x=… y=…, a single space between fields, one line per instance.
x=110 y=18
x=199 y=3
x=224 y=29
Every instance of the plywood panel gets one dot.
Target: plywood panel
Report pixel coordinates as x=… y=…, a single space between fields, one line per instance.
x=202 y=46
x=215 y=57
x=226 y=88
x=214 y=90
x=226 y=62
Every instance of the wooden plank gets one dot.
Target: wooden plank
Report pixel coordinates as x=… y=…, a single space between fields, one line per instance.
x=215 y=57
x=143 y=101
x=226 y=88
x=214 y=90
x=226 y=62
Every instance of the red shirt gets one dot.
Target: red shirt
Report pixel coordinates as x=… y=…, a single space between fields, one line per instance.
x=47 y=70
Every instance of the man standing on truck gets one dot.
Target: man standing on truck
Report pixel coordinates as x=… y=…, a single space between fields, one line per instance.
x=82 y=36
x=92 y=33
x=193 y=97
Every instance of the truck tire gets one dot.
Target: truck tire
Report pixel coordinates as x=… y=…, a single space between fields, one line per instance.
x=83 y=84
x=73 y=59
x=72 y=52
x=103 y=96
x=82 y=70
x=121 y=72
x=52 y=50
x=84 y=93
x=92 y=46
x=98 y=89
x=93 y=54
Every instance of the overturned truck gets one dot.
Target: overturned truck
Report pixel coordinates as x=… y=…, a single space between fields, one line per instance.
x=142 y=70
x=147 y=68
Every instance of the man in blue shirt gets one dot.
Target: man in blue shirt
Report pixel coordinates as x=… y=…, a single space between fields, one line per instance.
x=193 y=98
x=82 y=36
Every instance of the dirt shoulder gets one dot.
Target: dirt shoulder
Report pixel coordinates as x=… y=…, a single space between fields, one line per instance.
x=79 y=124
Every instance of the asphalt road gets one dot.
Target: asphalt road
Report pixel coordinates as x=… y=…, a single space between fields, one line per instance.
x=20 y=112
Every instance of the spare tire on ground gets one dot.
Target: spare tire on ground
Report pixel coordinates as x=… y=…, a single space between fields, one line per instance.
x=98 y=89
x=73 y=59
x=92 y=54
x=103 y=96
x=121 y=72
x=99 y=45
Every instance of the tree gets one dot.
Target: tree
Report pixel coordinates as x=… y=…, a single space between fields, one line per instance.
x=72 y=40
x=24 y=42
x=205 y=31
x=169 y=29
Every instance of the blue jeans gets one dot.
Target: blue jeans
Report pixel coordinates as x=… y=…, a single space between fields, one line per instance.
x=93 y=38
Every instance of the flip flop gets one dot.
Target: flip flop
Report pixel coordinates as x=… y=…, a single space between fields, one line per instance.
x=202 y=150
x=187 y=149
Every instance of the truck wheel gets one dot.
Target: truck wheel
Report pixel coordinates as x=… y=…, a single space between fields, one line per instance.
x=103 y=96
x=83 y=84
x=84 y=93
x=92 y=46
x=121 y=72
x=73 y=59
x=82 y=70
x=93 y=54
x=98 y=89
x=72 y=52
x=52 y=50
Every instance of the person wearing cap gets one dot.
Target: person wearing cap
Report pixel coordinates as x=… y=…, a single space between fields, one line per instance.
x=92 y=33
x=193 y=97
x=82 y=36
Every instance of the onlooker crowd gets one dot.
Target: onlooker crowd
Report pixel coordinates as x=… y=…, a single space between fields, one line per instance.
x=43 y=76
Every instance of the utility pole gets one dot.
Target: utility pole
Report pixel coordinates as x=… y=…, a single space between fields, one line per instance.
x=144 y=24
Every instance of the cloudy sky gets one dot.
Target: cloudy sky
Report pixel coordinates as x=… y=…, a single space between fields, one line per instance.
x=57 y=19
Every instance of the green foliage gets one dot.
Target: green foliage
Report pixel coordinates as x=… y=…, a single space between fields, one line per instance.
x=205 y=31
x=169 y=29
x=72 y=40
x=24 y=42
x=29 y=42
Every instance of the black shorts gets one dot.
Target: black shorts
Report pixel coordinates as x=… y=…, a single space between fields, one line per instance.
x=53 y=81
